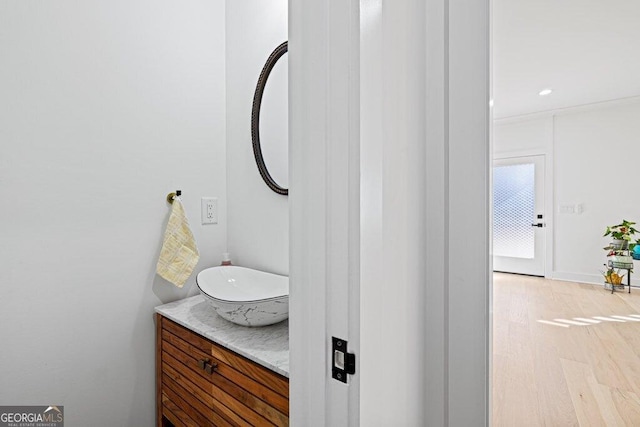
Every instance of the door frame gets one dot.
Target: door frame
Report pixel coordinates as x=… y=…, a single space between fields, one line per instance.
x=324 y=207
x=549 y=206
x=451 y=50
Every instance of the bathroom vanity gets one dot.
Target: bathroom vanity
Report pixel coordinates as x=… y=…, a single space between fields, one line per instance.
x=210 y=372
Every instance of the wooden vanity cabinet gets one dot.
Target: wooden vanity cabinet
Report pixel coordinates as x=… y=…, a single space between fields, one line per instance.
x=200 y=383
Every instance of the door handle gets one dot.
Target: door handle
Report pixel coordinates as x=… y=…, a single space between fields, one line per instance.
x=539 y=224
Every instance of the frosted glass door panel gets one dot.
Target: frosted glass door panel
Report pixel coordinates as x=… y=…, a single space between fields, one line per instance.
x=518 y=208
x=514 y=210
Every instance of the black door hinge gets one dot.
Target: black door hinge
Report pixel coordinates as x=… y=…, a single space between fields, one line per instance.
x=342 y=363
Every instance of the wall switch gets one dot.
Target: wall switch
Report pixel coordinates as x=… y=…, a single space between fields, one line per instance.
x=209 y=210
x=567 y=209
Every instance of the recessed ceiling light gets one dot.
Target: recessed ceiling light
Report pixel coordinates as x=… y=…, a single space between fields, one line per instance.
x=545 y=92
x=491 y=102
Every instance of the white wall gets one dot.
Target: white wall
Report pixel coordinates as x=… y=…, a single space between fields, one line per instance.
x=106 y=107
x=258 y=233
x=586 y=143
x=528 y=137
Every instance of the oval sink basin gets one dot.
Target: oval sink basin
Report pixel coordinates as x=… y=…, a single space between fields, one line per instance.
x=244 y=296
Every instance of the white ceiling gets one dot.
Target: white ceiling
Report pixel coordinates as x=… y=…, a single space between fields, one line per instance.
x=585 y=50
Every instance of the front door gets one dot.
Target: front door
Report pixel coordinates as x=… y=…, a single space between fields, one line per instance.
x=519 y=230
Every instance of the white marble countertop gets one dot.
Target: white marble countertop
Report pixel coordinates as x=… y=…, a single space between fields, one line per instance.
x=265 y=345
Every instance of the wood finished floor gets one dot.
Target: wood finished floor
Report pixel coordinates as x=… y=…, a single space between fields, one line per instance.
x=550 y=375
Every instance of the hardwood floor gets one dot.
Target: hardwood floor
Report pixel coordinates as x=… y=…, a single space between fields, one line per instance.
x=564 y=354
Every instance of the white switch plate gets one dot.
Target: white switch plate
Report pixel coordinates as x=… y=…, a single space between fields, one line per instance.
x=567 y=209
x=209 y=210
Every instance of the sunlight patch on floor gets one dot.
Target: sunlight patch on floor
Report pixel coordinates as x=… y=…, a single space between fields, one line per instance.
x=546 y=322
x=608 y=319
x=627 y=318
x=583 y=321
x=570 y=322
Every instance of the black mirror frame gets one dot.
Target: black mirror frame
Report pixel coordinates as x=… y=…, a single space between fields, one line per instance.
x=255 y=118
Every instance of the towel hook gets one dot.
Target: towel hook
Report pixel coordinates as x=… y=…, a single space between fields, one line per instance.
x=172 y=195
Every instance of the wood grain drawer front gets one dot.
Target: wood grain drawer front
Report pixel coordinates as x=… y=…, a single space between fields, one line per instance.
x=237 y=392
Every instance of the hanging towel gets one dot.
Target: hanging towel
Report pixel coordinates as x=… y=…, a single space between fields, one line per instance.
x=179 y=254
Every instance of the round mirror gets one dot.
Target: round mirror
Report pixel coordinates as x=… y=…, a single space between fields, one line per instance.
x=269 y=122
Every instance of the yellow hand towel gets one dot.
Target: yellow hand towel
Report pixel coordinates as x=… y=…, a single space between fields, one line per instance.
x=179 y=254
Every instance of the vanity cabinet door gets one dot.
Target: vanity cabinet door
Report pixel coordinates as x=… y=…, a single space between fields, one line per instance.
x=202 y=383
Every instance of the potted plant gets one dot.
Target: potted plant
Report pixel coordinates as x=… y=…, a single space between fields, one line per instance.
x=612 y=278
x=621 y=234
x=636 y=250
x=612 y=275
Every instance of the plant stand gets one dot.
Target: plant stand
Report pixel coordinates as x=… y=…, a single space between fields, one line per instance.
x=613 y=288
x=621 y=286
x=619 y=253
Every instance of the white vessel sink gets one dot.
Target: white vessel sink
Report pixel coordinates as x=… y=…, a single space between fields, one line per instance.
x=245 y=296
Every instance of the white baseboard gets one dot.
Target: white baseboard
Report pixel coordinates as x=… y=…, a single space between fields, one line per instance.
x=595 y=279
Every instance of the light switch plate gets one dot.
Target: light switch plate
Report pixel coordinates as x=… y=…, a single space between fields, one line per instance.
x=567 y=209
